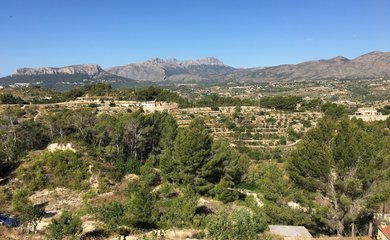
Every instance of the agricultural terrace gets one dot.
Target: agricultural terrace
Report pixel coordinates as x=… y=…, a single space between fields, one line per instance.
x=251 y=126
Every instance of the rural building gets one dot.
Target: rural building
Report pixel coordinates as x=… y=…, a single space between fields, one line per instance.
x=290 y=232
x=369 y=114
x=383 y=232
x=147 y=104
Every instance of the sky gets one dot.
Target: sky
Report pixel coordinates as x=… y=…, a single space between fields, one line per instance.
x=241 y=33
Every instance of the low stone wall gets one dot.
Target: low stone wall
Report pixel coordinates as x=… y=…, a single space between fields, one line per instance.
x=370 y=118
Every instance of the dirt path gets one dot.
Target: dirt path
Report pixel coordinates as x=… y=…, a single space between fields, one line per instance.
x=36 y=116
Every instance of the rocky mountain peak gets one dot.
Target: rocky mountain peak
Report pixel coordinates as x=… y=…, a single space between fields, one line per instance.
x=159 y=61
x=211 y=61
x=339 y=59
x=88 y=69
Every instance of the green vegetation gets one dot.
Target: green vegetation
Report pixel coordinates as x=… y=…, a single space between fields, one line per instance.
x=385 y=110
x=18 y=137
x=333 y=110
x=215 y=100
x=238 y=224
x=347 y=162
x=31 y=215
x=228 y=172
x=10 y=99
x=281 y=102
x=112 y=215
x=66 y=225
x=198 y=162
x=59 y=169
x=97 y=89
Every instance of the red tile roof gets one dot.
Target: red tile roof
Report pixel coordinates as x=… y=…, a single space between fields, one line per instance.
x=385 y=231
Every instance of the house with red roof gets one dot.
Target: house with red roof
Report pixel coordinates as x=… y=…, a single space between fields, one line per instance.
x=384 y=232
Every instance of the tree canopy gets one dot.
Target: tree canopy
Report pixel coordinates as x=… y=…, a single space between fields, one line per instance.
x=347 y=162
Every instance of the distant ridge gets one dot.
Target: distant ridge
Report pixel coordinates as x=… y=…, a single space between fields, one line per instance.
x=367 y=66
x=88 y=69
x=157 y=69
x=207 y=70
x=62 y=78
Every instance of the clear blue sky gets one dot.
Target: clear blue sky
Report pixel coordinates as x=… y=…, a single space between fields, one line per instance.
x=242 y=33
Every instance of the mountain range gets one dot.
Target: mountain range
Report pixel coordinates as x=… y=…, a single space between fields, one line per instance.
x=208 y=70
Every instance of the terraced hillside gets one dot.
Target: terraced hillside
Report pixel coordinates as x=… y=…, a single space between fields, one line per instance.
x=252 y=127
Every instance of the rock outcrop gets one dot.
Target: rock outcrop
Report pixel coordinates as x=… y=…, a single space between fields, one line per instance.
x=372 y=65
x=157 y=69
x=88 y=69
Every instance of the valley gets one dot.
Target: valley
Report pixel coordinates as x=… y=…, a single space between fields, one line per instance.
x=96 y=153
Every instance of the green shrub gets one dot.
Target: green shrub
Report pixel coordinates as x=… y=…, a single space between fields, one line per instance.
x=67 y=168
x=214 y=108
x=178 y=212
x=60 y=168
x=306 y=123
x=270 y=120
x=31 y=215
x=283 y=140
x=223 y=193
x=237 y=224
x=20 y=199
x=111 y=214
x=103 y=184
x=92 y=105
x=67 y=225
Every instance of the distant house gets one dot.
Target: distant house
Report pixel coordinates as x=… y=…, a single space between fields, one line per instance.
x=290 y=232
x=383 y=232
x=369 y=114
x=147 y=104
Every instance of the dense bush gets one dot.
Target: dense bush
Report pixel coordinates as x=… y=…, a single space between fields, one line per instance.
x=60 y=168
x=10 y=99
x=336 y=161
x=112 y=215
x=18 y=137
x=281 y=102
x=66 y=225
x=198 y=162
x=236 y=224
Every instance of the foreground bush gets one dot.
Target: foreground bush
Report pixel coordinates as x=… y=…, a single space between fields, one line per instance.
x=239 y=224
x=67 y=225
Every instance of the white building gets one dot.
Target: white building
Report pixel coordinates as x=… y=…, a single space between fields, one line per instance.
x=369 y=114
x=147 y=104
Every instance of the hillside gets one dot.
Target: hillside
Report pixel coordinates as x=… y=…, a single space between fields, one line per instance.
x=157 y=69
x=374 y=65
x=65 y=77
x=106 y=162
x=368 y=66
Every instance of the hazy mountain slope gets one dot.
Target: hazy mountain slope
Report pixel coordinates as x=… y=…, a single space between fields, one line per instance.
x=371 y=65
x=172 y=69
x=207 y=70
x=65 y=77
